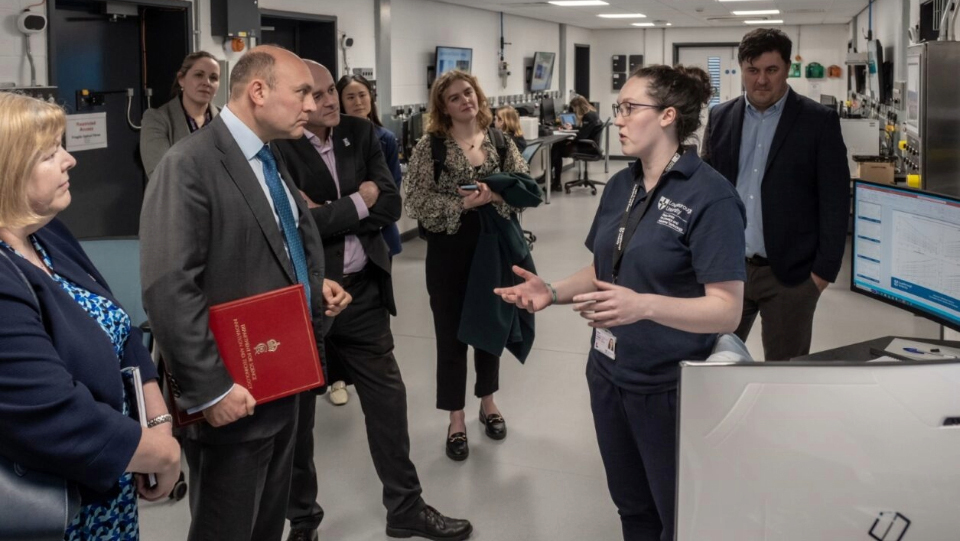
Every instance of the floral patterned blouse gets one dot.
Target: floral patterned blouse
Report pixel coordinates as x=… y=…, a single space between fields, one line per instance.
x=437 y=205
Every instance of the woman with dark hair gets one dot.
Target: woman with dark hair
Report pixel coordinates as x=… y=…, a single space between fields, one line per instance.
x=357 y=98
x=448 y=205
x=64 y=341
x=507 y=120
x=667 y=276
x=190 y=109
x=588 y=121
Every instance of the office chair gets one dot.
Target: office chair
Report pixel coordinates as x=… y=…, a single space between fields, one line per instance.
x=533 y=155
x=587 y=150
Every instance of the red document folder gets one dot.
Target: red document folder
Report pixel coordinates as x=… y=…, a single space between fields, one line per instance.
x=267 y=344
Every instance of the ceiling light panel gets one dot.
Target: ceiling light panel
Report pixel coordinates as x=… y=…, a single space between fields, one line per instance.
x=577 y=3
x=622 y=15
x=764 y=21
x=757 y=12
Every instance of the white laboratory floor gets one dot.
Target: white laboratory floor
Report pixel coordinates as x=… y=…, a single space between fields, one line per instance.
x=545 y=481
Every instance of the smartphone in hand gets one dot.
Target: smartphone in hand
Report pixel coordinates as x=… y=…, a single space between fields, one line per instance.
x=469 y=187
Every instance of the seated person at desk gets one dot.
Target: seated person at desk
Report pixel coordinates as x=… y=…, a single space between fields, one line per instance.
x=588 y=121
x=507 y=120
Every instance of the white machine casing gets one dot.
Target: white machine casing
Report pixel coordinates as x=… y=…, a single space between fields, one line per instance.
x=801 y=451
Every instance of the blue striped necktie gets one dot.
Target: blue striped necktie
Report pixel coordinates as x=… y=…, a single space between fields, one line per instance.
x=282 y=205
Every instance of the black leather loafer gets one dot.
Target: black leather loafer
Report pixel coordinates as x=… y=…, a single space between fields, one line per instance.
x=496 y=427
x=429 y=523
x=303 y=535
x=457 y=447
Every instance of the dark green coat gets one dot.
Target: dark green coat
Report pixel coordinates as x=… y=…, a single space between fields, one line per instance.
x=487 y=322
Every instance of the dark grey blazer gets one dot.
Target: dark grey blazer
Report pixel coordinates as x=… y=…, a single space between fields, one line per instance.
x=359 y=158
x=208 y=234
x=160 y=129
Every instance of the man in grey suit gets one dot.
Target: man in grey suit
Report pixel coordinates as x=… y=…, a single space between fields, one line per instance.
x=222 y=221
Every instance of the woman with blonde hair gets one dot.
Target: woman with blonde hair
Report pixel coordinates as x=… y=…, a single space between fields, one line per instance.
x=508 y=121
x=447 y=196
x=585 y=111
x=64 y=340
x=588 y=122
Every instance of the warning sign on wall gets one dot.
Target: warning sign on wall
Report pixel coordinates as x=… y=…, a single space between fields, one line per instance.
x=86 y=131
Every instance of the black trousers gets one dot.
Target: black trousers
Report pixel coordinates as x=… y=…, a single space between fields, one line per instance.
x=361 y=341
x=238 y=490
x=449 y=258
x=558 y=152
x=637 y=434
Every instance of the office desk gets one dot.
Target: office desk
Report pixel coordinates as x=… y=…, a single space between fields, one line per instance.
x=547 y=142
x=861 y=350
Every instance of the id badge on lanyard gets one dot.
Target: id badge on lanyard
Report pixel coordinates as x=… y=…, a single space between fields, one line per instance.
x=631 y=220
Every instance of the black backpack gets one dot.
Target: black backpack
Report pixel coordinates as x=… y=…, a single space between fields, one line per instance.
x=438 y=151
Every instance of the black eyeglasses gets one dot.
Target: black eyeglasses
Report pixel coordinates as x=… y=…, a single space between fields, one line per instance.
x=627 y=108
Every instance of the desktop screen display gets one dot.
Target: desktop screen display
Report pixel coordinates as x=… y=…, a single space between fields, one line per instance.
x=542 y=71
x=548 y=112
x=906 y=250
x=453 y=58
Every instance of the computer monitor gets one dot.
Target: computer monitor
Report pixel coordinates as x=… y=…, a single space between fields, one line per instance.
x=906 y=250
x=542 y=75
x=801 y=451
x=548 y=112
x=453 y=58
x=568 y=118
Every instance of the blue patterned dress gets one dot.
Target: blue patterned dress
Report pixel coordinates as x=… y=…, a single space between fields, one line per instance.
x=113 y=519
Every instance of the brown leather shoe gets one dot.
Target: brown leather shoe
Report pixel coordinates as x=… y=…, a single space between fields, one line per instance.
x=430 y=524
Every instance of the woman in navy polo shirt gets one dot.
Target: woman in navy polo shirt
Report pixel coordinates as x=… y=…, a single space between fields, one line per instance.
x=677 y=282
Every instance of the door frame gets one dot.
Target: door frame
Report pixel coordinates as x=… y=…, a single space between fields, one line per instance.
x=52 y=34
x=576 y=47
x=310 y=18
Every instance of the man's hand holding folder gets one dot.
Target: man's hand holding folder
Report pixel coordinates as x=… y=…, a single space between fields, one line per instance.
x=237 y=404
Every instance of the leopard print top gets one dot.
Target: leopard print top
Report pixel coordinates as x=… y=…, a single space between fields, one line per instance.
x=437 y=205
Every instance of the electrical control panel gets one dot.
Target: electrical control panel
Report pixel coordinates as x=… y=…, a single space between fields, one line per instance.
x=235 y=18
x=46 y=93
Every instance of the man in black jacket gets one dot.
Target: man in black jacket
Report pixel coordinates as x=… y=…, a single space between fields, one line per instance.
x=786 y=156
x=339 y=167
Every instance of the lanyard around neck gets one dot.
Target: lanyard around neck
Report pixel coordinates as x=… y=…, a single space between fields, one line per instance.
x=631 y=220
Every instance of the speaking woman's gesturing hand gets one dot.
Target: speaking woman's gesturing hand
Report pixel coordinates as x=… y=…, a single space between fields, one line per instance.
x=611 y=305
x=532 y=295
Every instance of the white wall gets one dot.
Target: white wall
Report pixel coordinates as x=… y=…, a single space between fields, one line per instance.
x=826 y=44
x=14 y=67
x=420 y=25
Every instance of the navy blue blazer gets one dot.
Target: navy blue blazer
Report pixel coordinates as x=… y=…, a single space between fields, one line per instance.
x=61 y=392
x=805 y=191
